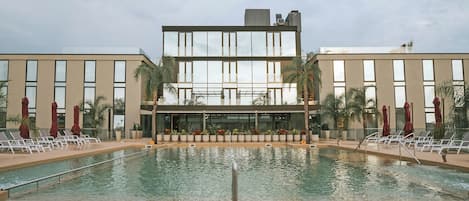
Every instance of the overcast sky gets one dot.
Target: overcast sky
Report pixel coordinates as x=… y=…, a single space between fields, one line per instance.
x=50 y=25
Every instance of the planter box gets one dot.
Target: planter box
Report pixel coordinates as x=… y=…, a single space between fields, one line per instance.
x=159 y=138
x=139 y=134
x=315 y=138
x=133 y=134
x=221 y=138
x=118 y=135
x=303 y=137
x=184 y=138
x=290 y=138
x=198 y=138
x=326 y=134
x=232 y=138
x=166 y=138
x=175 y=138
x=190 y=138
x=213 y=138
x=275 y=138
x=205 y=138
x=282 y=138
x=261 y=138
x=248 y=138
x=254 y=138
x=296 y=138
x=241 y=138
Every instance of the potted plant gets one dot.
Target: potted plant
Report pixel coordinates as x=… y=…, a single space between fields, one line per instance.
x=197 y=136
x=325 y=132
x=166 y=135
x=188 y=138
x=268 y=135
x=236 y=132
x=294 y=135
x=315 y=135
x=174 y=136
x=134 y=131
x=282 y=134
x=275 y=137
x=118 y=132
x=255 y=135
x=303 y=135
x=205 y=136
x=220 y=135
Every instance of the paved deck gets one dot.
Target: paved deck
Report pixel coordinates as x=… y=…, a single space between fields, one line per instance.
x=11 y=161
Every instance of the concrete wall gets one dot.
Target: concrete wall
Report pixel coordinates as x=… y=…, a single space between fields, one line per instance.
x=385 y=81
x=74 y=84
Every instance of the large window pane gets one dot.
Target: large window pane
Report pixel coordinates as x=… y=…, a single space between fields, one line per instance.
x=188 y=71
x=60 y=97
x=214 y=43
x=370 y=94
x=429 y=95
x=119 y=71
x=199 y=43
x=458 y=96
x=31 y=71
x=339 y=71
x=259 y=72
x=245 y=96
x=182 y=72
x=369 y=70
x=89 y=96
x=31 y=94
x=188 y=44
x=90 y=71
x=215 y=69
x=244 y=72
x=119 y=101
x=428 y=70
x=3 y=70
x=276 y=43
x=200 y=71
x=244 y=43
x=3 y=92
x=398 y=66
x=119 y=121
x=288 y=44
x=458 y=72
x=399 y=96
x=339 y=92
x=259 y=46
x=60 y=71
x=170 y=43
x=270 y=44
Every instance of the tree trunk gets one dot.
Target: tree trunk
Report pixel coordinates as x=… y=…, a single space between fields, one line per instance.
x=153 y=117
x=306 y=103
x=364 y=124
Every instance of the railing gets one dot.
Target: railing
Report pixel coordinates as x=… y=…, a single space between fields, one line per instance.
x=61 y=174
x=401 y=144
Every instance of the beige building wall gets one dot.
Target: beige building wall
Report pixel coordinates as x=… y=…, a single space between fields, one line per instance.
x=74 y=84
x=385 y=81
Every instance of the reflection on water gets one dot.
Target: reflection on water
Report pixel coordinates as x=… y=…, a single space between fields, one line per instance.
x=265 y=174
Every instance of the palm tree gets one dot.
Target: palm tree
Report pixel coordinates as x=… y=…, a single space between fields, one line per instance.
x=360 y=106
x=458 y=102
x=94 y=112
x=3 y=100
x=154 y=77
x=334 y=108
x=307 y=75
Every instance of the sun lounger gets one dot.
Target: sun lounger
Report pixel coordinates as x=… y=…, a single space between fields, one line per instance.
x=46 y=138
x=30 y=142
x=454 y=144
x=11 y=145
x=436 y=145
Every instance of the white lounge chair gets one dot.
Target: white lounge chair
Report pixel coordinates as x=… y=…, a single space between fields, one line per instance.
x=11 y=145
x=46 y=138
x=436 y=144
x=29 y=142
x=70 y=138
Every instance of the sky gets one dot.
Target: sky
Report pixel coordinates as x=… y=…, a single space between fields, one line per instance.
x=48 y=26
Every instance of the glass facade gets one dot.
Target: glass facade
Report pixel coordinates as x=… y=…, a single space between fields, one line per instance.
x=3 y=92
x=89 y=92
x=398 y=67
x=229 y=44
x=119 y=95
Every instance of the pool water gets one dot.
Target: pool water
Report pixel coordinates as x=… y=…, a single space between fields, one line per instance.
x=276 y=173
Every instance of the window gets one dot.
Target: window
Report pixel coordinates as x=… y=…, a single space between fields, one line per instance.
x=243 y=43
x=429 y=95
x=200 y=71
x=119 y=71
x=339 y=92
x=215 y=69
x=185 y=44
x=60 y=71
x=89 y=96
x=429 y=120
x=259 y=46
x=60 y=97
x=229 y=96
x=458 y=95
x=229 y=72
x=229 y=44
x=90 y=71
x=185 y=72
x=199 y=43
x=185 y=97
x=288 y=43
x=214 y=45
x=273 y=71
x=3 y=70
x=398 y=66
x=274 y=96
x=428 y=70
x=119 y=107
x=31 y=71
x=244 y=72
x=170 y=43
x=339 y=71
x=399 y=96
x=31 y=94
x=370 y=94
x=259 y=72
x=3 y=92
x=369 y=70
x=458 y=72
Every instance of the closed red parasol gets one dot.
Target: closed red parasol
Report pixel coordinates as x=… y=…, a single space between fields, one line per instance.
x=24 y=129
x=438 y=120
x=386 y=127
x=54 y=126
x=76 y=119
x=408 y=127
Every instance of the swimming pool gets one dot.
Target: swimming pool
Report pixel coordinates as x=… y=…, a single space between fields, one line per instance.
x=275 y=173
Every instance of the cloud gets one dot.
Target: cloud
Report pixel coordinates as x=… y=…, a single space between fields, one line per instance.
x=50 y=25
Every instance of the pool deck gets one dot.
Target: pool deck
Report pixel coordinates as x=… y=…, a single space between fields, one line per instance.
x=10 y=161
